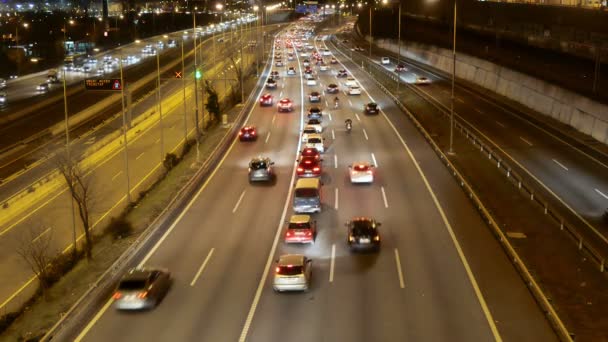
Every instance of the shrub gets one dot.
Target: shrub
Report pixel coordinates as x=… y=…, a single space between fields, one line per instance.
x=119 y=227
x=170 y=161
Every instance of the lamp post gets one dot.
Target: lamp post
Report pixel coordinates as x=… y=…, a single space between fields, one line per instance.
x=195 y=80
x=371 y=37
x=25 y=25
x=398 y=40
x=65 y=29
x=451 y=150
x=256 y=8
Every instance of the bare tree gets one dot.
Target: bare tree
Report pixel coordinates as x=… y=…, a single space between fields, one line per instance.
x=34 y=247
x=239 y=75
x=80 y=188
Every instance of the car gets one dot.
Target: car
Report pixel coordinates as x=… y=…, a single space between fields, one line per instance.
x=3 y=98
x=309 y=167
x=385 y=61
x=354 y=90
x=141 y=288
x=260 y=170
x=308 y=74
x=248 y=133
x=293 y=272
x=43 y=88
x=332 y=88
x=277 y=55
x=291 y=71
x=310 y=152
x=350 y=81
x=306 y=131
x=306 y=63
x=400 y=68
x=342 y=73
x=323 y=67
x=315 y=113
x=361 y=172
x=290 y=57
x=326 y=52
x=285 y=105
x=311 y=81
x=279 y=63
x=316 y=141
x=372 y=108
x=301 y=229
x=271 y=83
x=266 y=100
x=274 y=75
x=333 y=60
x=363 y=234
x=86 y=69
x=314 y=96
x=316 y=123
x=421 y=80
x=2 y=83
x=304 y=54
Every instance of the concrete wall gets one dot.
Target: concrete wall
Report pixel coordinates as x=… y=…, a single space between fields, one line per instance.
x=583 y=114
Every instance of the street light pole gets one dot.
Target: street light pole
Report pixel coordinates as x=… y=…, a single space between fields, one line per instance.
x=69 y=159
x=160 y=108
x=184 y=100
x=399 y=46
x=195 y=84
x=124 y=130
x=451 y=150
x=371 y=37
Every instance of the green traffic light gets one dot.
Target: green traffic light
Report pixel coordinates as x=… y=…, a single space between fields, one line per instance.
x=198 y=74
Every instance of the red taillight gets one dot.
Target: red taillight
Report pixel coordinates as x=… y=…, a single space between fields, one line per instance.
x=253 y=133
x=308 y=233
x=289 y=233
x=300 y=170
x=117 y=295
x=316 y=169
x=142 y=295
x=240 y=133
x=278 y=269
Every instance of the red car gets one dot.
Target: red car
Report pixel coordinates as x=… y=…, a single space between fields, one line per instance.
x=309 y=167
x=310 y=152
x=285 y=105
x=266 y=100
x=400 y=68
x=301 y=229
x=248 y=133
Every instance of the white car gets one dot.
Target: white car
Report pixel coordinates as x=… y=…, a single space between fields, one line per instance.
x=304 y=54
x=326 y=52
x=354 y=90
x=361 y=172
x=293 y=272
x=385 y=61
x=350 y=81
x=312 y=81
x=291 y=71
x=315 y=141
x=422 y=80
x=316 y=124
x=279 y=63
x=323 y=67
x=2 y=97
x=307 y=131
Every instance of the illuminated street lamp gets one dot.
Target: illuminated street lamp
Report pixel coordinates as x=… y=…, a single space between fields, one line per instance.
x=398 y=39
x=25 y=25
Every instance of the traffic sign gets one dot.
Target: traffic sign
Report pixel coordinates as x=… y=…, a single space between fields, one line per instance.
x=178 y=74
x=103 y=84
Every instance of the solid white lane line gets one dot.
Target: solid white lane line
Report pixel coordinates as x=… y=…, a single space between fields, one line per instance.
x=365 y=133
x=560 y=164
x=41 y=234
x=374 y=159
x=500 y=124
x=267 y=137
x=116 y=175
x=357 y=116
x=601 y=193
x=139 y=156
x=236 y=206
x=329 y=116
x=526 y=141
x=200 y=270
x=331 y=264
x=399 y=272
x=326 y=104
x=92 y=322
x=384 y=197
x=335 y=161
x=448 y=226
x=283 y=85
x=333 y=134
x=274 y=117
x=281 y=94
x=336 y=199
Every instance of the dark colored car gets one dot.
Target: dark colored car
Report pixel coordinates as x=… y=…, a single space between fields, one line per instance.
x=314 y=96
x=315 y=113
x=332 y=88
x=248 y=133
x=363 y=234
x=372 y=108
x=260 y=170
x=400 y=68
x=141 y=288
x=271 y=84
x=342 y=73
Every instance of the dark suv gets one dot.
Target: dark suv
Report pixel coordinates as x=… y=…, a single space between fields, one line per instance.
x=363 y=234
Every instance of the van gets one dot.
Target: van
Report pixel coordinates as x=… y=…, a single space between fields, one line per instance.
x=307 y=196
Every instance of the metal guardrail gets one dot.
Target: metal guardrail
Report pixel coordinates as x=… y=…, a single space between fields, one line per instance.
x=536 y=291
x=597 y=249
x=103 y=284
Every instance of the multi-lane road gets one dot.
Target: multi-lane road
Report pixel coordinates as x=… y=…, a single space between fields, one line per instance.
x=440 y=275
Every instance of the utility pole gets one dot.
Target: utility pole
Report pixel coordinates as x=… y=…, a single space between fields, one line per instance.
x=184 y=100
x=451 y=150
x=69 y=158
x=160 y=108
x=124 y=131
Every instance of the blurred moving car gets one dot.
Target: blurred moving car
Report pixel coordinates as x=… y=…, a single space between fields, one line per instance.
x=363 y=234
x=316 y=124
x=306 y=131
x=274 y=75
x=248 y=133
x=291 y=71
x=266 y=100
x=310 y=152
x=361 y=172
x=332 y=88
x=315 y=113
x=385 y=61
x=354 y=90
x=141 y=288
x=314 y=96
x=311 y=81
x=333 y=60
x=2 y=83
x=293 y=272
x=260 y=169
x=421 y=80
x=285 y=105
x=301 y=229
x=43 y=88
x=342 y=73
x=400 y=68
x=3 y=98
x=315 y=141
x=372 y=108
x=271 y=84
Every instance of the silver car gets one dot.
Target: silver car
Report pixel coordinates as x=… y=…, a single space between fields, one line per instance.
x=141 y=288
x=260 y=170
x=293 y=272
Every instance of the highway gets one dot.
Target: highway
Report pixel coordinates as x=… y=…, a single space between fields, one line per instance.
x=52 y=214
x=440 y=274
x=569 y=168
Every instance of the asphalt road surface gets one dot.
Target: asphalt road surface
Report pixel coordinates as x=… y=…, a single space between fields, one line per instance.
x=421 y=286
